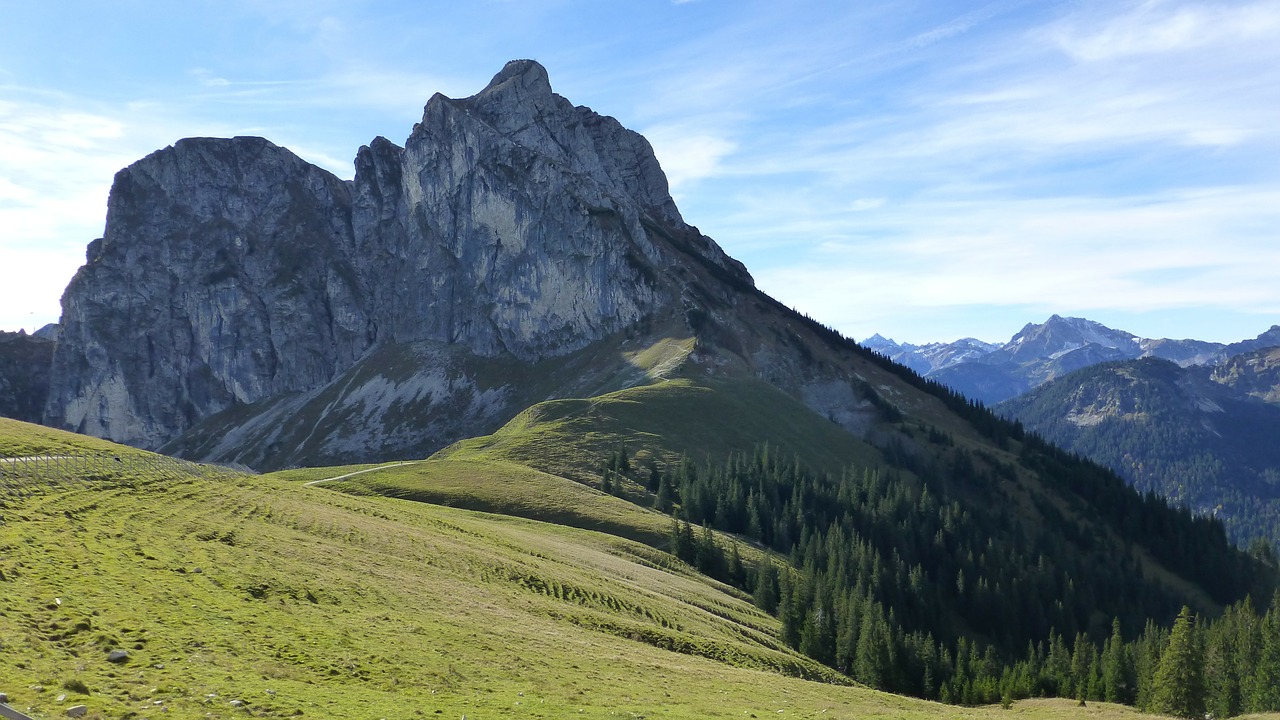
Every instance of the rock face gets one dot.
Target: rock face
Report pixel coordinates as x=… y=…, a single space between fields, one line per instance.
x=512 y=224
x=225 y=275
x=24 y=375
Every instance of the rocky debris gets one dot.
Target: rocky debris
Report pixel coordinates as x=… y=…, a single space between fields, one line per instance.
x=76 y=711
x=118 y=656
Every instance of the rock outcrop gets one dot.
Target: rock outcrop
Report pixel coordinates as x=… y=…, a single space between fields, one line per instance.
x=24 y=374
x=226 y=274
x=511 y=224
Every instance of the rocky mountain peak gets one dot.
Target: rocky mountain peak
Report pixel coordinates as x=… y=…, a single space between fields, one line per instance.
x=511 y=224
x=526 y=80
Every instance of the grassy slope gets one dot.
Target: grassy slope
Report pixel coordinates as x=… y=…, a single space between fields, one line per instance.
x=571 y=438
x=506 y=488
x=346 y=606
x=20 y=439
x=707 y=419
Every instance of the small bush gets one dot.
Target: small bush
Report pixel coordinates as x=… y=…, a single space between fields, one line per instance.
x=76 y=685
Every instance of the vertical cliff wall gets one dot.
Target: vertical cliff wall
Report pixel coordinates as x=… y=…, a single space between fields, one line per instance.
x=511 y=224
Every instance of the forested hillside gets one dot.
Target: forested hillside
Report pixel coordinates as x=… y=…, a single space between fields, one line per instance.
x=1203 y=437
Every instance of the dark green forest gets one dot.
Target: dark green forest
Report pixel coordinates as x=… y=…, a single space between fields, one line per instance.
x=946 y=573
x=927 y=578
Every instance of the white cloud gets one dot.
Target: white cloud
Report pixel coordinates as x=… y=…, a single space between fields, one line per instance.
x=1158 y=27
x=687 y=154
x=58 y=156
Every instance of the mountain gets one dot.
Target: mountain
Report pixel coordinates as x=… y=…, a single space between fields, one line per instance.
x=1203 y=436
x=1038 y=353
x=1268 y=339
x=927 y=359
x=511 y=305
x=236 y=284
x=24 y=374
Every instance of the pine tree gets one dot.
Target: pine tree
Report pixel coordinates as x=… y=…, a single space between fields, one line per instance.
x=663 y=501
x=1179 y=682
x=1266 y=680
x=1081 y=658
x=1117 y=668
x=873 y=659
x=1058 y=666
x=735 y=572
x=766 y=586
x=682 y=542
x=707 y=555
x=789 y=611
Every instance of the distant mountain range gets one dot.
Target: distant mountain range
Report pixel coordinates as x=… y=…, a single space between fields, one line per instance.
x=1039 y=353
x=1194 y=421
x=1204 y=436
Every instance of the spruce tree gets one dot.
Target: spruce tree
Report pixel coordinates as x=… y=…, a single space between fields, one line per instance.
x=1266 y=680
x=1179 y=682
x=663 y=501
x=873 y=660
x=766 y=586
x=624 y=462
x=1117 y=668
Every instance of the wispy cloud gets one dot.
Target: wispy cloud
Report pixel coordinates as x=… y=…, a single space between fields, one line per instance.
x=687 y=154
x=1205 y=249
x=860 y=157
x=1105 y=155
x=57 y=159
x=1161 y=27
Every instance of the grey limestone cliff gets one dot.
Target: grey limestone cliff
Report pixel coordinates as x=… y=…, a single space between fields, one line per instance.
x=225 y=274
x=511 y=224
x=24 y=374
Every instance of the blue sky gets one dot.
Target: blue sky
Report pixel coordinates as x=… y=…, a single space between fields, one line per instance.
x=925 y=170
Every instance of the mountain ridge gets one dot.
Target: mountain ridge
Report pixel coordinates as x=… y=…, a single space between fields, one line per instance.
x=1201 y=435
x=1039 y=352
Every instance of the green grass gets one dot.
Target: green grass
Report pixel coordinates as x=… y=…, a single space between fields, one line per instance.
x=506 y=488
x=311 y=474
x=20 y=439
x=301 y=601
x=663 y=421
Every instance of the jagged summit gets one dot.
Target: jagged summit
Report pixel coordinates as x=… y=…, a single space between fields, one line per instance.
x=510 y=224
x=526 y=78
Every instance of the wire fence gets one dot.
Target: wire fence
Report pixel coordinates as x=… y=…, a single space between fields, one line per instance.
x=39 y=473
